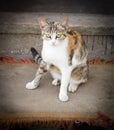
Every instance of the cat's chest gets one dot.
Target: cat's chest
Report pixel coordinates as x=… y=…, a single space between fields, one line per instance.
x=55 y=55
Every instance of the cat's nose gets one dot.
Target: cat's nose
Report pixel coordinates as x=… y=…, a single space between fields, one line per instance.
x=53 y=42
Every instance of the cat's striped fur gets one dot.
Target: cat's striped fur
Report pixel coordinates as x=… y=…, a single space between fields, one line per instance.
x=63 y=50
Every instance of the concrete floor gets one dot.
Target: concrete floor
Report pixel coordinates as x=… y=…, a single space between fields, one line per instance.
x=94 y=96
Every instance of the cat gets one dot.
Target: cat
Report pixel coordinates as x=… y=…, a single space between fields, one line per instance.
x=64 y=54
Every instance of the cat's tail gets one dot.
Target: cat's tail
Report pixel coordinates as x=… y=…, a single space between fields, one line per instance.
x=36 y=56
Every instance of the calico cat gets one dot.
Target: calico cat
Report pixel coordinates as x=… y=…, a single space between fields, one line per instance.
x=64 y=54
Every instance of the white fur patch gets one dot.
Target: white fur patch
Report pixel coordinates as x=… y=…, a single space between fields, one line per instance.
x=55 y=55
x=30 y=85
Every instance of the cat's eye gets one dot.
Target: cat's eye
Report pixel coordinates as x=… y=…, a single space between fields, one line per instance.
x=48 y=35
x=58 y=35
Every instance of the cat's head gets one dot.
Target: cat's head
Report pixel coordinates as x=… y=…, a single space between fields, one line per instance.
x=53 y=32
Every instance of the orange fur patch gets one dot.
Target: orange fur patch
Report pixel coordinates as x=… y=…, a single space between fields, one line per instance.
x=75 y=42
x=54 y=69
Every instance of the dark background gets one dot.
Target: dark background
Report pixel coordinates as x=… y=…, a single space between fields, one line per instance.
x=60 y=6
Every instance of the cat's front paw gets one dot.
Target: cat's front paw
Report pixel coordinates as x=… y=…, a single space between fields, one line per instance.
x=63 y=97
x=30 y=85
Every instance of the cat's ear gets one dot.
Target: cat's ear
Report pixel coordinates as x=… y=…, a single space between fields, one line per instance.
x=65 y=22
x=42 y=22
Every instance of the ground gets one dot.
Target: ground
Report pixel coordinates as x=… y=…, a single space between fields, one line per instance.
x=94 y=96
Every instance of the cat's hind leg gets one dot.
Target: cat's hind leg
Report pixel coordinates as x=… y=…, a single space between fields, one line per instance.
x=56 y=75
x=74 y=84
x=72 y=87
x=79 y=75
x=56 y=82
x=56 y=79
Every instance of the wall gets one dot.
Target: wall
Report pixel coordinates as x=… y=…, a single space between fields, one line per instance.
x=69 y=6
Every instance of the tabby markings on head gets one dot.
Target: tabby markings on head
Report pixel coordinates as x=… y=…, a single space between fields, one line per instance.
x=53 y=31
